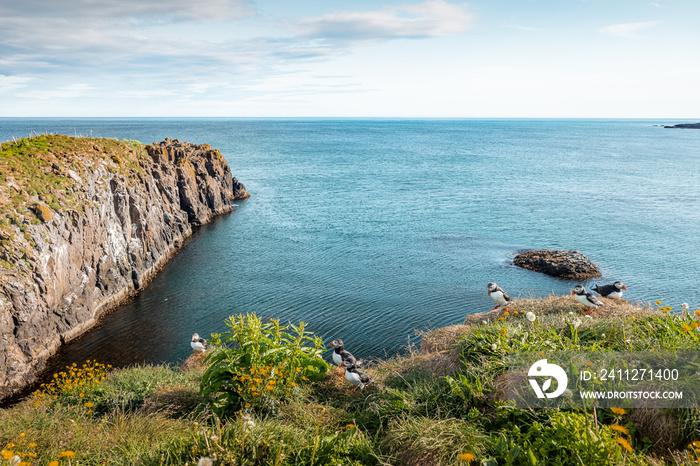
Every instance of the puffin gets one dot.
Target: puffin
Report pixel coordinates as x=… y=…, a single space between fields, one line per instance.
x=340 y=355
x=498 y=295
x=198 y=344
x=586 y=299
x=613 y=291
x=355 y=376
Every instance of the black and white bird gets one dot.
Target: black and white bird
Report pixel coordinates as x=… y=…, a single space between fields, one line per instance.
x=198 y=344
x=498 y=295
x=355 y=376
x=587 y=299
x=340 y=354
x=613 y=291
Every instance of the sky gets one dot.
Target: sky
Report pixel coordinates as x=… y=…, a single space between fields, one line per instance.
x=357 y=58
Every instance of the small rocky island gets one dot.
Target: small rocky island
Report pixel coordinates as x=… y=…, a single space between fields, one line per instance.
x=685 y=125
x=558 y=263
x=84 y=223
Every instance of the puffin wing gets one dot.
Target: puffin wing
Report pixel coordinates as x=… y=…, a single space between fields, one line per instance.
x=604 y=290
x=346 y=356
x=594 y=300
x=505 y=295
x=364 y=378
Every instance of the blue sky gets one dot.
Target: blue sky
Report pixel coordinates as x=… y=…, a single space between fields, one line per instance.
x=276 y=58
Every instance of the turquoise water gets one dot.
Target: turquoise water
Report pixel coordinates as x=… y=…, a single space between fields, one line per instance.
x=371 y=229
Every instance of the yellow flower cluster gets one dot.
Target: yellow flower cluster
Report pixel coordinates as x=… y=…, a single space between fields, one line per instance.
x=618 y=411
x=694 y=451
x=20 y=453
x=622 y=431
x=467 y=457
x=73 y=381
x=258 y=384
x=507 y=314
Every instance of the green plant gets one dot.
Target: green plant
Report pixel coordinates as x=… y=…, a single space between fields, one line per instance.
x=256 y=364
x=567 y=438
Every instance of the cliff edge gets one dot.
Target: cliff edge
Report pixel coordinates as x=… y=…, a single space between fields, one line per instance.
x=84 y=223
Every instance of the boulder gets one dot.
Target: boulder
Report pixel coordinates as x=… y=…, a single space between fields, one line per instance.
x=558 y=263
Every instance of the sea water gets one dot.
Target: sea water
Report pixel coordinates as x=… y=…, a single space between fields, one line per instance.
x=373 y=230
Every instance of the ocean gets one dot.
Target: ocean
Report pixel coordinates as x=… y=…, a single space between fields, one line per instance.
x=373 y=231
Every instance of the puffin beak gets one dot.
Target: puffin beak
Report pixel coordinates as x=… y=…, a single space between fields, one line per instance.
x=330 y=344
x=572 y=291
x=624 y=287
x=489 y=291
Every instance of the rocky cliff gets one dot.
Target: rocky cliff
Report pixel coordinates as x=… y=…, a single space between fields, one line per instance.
x=86 y=222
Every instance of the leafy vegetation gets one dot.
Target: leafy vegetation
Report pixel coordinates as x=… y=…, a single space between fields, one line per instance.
x=442 y=407
x=257 y=365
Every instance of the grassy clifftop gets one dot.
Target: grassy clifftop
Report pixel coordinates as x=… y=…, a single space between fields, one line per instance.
x=440 y=406
x=42 y=175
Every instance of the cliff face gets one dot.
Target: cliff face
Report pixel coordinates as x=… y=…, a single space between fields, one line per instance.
x=83 y=224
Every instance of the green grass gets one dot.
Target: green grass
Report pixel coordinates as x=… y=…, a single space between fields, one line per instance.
x=424 y=409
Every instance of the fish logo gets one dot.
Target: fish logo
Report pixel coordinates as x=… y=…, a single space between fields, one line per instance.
x=542 y=369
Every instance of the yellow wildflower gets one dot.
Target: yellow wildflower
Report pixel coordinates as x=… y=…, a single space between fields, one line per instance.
x=503 y=331
x=696 y=444
x=625 y=444
x=618 y=411
x=697 y=312
x=349 y=426
x=298 y=369
x=506 y=313
x=247 y=405
x=657 y=301
x=620 y=429
x=685 y=328
x=589 y=363
x=22 y=435
x=32 y=445
x=694 y=325
x=466 y=457
x=7 y=454
x=67 y=454
x=88 y=405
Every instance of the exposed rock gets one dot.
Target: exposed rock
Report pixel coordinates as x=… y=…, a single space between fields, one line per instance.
x=124 y=210
x=558 y=263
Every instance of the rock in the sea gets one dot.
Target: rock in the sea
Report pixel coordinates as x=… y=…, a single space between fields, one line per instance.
x=558 y=263
x=116 y=212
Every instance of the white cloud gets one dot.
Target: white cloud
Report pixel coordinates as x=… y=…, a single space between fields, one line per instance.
x=433 y=18
x=137 y=10
x=12 y=83
x=520 y=27
x=628 y=30
x=64 y=92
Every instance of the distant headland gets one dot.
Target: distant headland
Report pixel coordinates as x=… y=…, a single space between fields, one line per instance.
x=684 y=125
